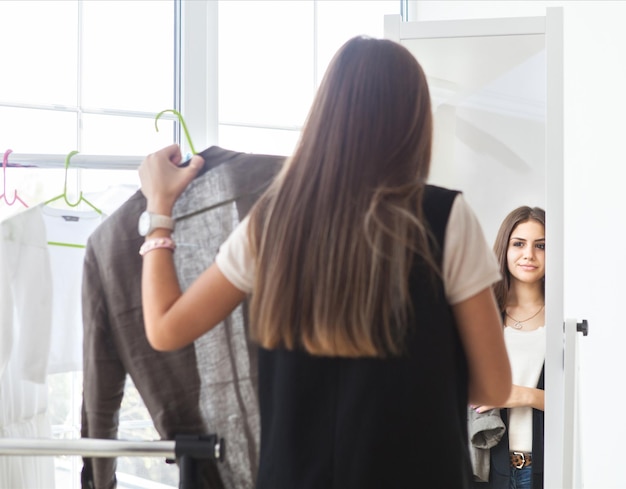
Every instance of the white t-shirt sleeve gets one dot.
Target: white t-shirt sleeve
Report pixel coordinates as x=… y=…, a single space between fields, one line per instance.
x=469 y=263
x=234 y=258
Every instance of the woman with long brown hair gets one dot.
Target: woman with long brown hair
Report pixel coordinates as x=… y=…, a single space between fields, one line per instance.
x=370 y=291
x=517 y=460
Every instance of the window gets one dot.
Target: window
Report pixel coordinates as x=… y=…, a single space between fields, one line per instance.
x=269 y=70
x=87 y=76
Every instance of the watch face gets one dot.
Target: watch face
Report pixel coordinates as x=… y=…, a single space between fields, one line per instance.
x=144 y=223
x=149 y=222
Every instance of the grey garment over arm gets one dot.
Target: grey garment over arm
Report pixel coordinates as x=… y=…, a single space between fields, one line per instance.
x=485 y=430
x=205 y=214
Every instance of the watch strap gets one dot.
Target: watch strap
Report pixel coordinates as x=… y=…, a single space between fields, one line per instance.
x=160 y=221
x=157 y=243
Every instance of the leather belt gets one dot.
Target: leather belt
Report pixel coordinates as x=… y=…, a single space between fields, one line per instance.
x=519 y=460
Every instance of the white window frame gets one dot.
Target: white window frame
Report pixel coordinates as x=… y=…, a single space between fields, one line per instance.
x=198 y=68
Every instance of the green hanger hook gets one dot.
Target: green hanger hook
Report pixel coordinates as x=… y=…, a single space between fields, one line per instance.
x=67 y=165
x=64 y=194
x=182 y=123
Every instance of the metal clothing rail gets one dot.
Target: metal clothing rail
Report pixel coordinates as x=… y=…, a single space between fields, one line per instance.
x=185 y=449
x=93 y=162
x=199 y=446
x=86 y=447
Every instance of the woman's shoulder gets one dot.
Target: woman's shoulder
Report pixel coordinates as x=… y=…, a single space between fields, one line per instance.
x=437 y=193
x=438 y=204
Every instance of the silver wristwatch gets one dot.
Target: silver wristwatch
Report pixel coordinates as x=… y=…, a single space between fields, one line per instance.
x=148 y=222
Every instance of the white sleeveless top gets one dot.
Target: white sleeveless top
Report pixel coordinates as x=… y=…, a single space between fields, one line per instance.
x=527 y=353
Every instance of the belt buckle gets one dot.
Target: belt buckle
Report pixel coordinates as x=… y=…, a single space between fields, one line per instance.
x=523 y=462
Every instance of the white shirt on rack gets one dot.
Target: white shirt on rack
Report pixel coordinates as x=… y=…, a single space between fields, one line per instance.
x=66 y=233
x=25 y=330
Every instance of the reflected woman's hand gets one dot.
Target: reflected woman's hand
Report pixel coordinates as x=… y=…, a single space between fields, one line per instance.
x=520 y=397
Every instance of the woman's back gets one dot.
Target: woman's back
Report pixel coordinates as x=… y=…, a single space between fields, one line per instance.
x=372 y=422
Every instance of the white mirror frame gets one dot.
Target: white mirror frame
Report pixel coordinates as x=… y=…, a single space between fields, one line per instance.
x=559 y=458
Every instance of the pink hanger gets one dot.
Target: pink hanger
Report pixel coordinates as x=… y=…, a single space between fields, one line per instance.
x=5 y=160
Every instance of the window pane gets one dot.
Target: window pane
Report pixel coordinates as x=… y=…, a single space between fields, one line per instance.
x=339 y=21
x=104 y=134
x=38 y=53
x=135 y=424
x=258 y=140
x=128 y=55
x=108 y=189
x=265 y=70
x=37 y=131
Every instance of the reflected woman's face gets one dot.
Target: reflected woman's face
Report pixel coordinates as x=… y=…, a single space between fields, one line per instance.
x=526 y=252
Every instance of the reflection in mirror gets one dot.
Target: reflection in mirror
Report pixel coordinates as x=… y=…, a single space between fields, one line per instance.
x=488 y=97
x=489 y=106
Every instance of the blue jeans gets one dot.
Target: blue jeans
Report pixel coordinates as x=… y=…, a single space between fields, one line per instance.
x=521 y=478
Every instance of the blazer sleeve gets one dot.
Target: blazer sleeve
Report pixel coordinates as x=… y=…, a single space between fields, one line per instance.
x=104 y=375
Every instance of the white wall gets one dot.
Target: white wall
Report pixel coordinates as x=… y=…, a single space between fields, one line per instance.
x=595 y=209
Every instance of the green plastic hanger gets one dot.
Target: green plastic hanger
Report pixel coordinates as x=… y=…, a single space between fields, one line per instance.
x=182 y=123
x=64 y=194
x=64 y=197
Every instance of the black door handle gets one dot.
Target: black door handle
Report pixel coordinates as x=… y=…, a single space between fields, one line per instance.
x=583 y=327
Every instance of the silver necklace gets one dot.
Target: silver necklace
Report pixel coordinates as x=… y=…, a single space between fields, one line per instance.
x=520 y=324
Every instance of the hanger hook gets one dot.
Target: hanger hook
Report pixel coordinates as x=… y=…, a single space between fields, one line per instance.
x=5 y=161
x=80 y=195
x=182 y=123
x=5 y=158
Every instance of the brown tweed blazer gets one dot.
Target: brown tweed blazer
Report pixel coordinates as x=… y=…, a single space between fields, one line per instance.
x=207 y=387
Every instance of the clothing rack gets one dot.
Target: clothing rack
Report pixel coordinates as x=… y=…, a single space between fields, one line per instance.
x=185 y=449
x=94 y=162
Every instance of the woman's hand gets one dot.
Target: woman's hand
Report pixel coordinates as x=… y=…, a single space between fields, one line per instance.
x=162 y=180
x=519 y=397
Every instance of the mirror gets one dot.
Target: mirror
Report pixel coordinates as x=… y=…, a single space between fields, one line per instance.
x=489 y=82
x=489 y=105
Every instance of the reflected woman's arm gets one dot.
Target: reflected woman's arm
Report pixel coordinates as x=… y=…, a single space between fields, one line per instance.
x=520 y=397
x=480 y=330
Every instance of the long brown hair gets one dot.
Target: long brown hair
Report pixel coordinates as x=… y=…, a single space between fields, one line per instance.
x=335 y=234
x=511 y=221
